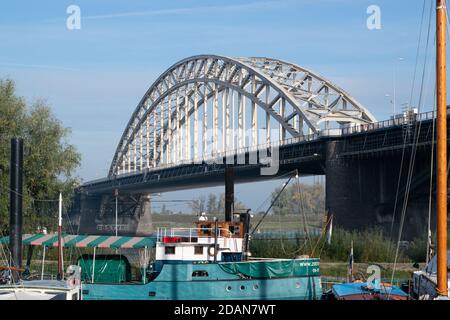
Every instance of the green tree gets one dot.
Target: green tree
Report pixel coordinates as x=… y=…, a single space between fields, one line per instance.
x=49 y=159
x=198 y=205
x=300 y=198
x=215 y=205
x=211 y=206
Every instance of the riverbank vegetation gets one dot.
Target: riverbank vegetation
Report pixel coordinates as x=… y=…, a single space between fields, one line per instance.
x=369 y=246
x=49 y=159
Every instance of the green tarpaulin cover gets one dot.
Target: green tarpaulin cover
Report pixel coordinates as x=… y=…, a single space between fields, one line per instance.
x=273 y=269
x=107 y=268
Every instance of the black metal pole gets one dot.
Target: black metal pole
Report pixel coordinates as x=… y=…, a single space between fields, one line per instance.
x=229 y=193
x=29 y=257
x=216 y=230
x=245 y=218
x=15 y=205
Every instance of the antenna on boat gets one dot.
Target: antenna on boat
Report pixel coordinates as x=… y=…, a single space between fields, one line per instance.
x=441 y=71
x=350 y=265
x=60 y=258
x=216 y=230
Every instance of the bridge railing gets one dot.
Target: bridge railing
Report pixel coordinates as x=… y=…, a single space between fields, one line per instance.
x=218 y=156
x=405 y=119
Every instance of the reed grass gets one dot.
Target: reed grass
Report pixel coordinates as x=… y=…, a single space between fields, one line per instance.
x=369 y=246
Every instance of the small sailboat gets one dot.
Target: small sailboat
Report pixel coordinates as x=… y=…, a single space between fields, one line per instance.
x=364 y=291
x=359 y=290
x=66 y=287
x=424 y=282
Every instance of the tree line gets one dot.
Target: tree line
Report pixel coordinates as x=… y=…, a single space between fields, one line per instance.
x=300 y=198
x=49 y=159
x=307 y=199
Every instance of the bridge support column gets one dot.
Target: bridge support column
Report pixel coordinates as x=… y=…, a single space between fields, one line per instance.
x=343 y=190
x=145 y=223
x=96 y=214
x=229 y=193
x=361 y=193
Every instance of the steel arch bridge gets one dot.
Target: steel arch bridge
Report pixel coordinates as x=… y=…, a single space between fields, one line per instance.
x=207 y=106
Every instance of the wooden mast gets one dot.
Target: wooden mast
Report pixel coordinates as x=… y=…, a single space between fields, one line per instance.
x=441 y=70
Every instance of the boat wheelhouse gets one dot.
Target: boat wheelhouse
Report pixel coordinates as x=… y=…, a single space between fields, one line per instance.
x=204 y=243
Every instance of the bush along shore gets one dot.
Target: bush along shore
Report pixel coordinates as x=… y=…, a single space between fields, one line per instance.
x=371 y=245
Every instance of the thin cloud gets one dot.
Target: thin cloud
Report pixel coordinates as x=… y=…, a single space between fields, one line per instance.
x=181 y=11
x=39 y=66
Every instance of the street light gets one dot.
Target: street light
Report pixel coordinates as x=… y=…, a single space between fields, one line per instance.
x=387 y=95
x=399 y=59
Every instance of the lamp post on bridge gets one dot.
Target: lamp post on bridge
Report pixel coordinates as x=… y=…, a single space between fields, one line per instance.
x=399 y=59
x=387 y=95
x=116 y=194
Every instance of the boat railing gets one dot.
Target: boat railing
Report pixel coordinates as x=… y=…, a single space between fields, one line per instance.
x=189 y=234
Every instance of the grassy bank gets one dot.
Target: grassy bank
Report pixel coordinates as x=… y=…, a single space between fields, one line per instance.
x=368 y=246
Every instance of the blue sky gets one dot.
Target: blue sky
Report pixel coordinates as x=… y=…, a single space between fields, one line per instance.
x=94 y=77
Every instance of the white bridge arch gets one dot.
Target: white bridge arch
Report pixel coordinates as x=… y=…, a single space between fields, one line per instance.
x=207 y=105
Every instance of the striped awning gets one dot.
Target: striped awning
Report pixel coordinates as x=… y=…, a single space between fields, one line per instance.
x=85 y=241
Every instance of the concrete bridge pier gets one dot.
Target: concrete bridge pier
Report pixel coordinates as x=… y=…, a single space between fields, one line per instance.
x=361 y=192
x=96 y=214
x=144 y=223
x=343 y=190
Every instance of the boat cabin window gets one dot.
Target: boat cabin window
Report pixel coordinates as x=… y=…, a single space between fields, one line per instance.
x=235 y=230
x=198 y=250
x=225 y=229
x=205 y=229
x=169 y=250
x=231 y=256
x=200 y=273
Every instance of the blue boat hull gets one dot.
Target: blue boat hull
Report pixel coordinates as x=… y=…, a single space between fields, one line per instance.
x=175 y=282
